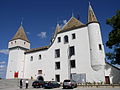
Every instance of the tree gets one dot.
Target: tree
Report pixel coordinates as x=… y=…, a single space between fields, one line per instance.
x=114 y=38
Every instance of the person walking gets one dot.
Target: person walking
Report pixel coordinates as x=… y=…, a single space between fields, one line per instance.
x=21 y=83
x=26 y=82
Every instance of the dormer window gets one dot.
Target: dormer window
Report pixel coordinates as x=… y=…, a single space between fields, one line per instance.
x=66 y=39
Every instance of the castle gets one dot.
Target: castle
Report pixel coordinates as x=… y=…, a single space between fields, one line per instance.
x=76 y=52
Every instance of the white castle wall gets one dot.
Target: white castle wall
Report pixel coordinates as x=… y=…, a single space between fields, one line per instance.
x=44 y=64
x=97 y=55
x=20 y=43
x=15 y=63
x=82 y=57
x=16 y=57
x=113 y=73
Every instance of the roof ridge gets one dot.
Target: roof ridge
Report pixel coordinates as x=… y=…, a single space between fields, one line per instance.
x=37 y=49
x=72 y=23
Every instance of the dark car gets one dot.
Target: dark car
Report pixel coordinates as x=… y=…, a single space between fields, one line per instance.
x=51 y=84
x=55 y=84
x=38 y=84
x=69 y=84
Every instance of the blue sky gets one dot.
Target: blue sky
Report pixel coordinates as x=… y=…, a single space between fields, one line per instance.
x=41 y=16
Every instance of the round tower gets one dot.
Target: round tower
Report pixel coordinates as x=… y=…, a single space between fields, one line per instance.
x=17 y=46
x=97 y=54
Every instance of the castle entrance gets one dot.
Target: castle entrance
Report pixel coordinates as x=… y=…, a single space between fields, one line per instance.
x=40 y=78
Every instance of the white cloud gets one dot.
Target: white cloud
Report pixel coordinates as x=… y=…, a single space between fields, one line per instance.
x=2 y=66
x=4 y=51
x=42 y=35
x=28 y=33
x=64 y=21
x=2 y=62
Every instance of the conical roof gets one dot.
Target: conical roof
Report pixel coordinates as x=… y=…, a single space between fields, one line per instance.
x=72 y=24
x=91 y=15
x=20 y=34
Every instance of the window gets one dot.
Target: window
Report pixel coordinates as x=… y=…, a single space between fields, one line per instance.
x=72 y=64
x=39 y=71
x=66 y=39
x=57 y=78
x=24 y=42
x=31 y=58
x=59 y=39
x=39 y=57
x=71 y=51
x=73 y=36
x=57 y=53
x=15 y=41
x=57 y=65
x=100 y=47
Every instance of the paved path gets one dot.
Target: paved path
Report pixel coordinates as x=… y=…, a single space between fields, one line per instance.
x=30 y=88
x=14 y=85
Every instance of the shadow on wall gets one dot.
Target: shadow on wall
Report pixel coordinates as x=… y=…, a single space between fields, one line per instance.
x=114 y=73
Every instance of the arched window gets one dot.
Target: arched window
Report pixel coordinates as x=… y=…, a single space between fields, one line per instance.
x=11 y=42
x=39 y=56
x=66 y=39
x=31 y=58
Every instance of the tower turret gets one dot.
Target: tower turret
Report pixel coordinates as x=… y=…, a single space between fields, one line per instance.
x=91 y=15
x=20 y=39
x=96 y=46
x=17 y=46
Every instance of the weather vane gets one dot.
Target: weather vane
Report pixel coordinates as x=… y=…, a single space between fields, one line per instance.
x=72 y=14
x=21 y=20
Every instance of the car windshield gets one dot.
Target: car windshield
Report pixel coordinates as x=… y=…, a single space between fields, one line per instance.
x=66 y=80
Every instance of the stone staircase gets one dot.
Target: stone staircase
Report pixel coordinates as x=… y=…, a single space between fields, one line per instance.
x=14 y=83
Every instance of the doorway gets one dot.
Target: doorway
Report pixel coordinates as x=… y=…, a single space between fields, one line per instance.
x=107 y=79
x=57 y=78
x=15 y=74
x=40 y=78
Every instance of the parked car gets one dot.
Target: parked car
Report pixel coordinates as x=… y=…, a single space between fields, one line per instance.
x=69 y=84
x=55 y=84
x=51 y=84
x=38 y=84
